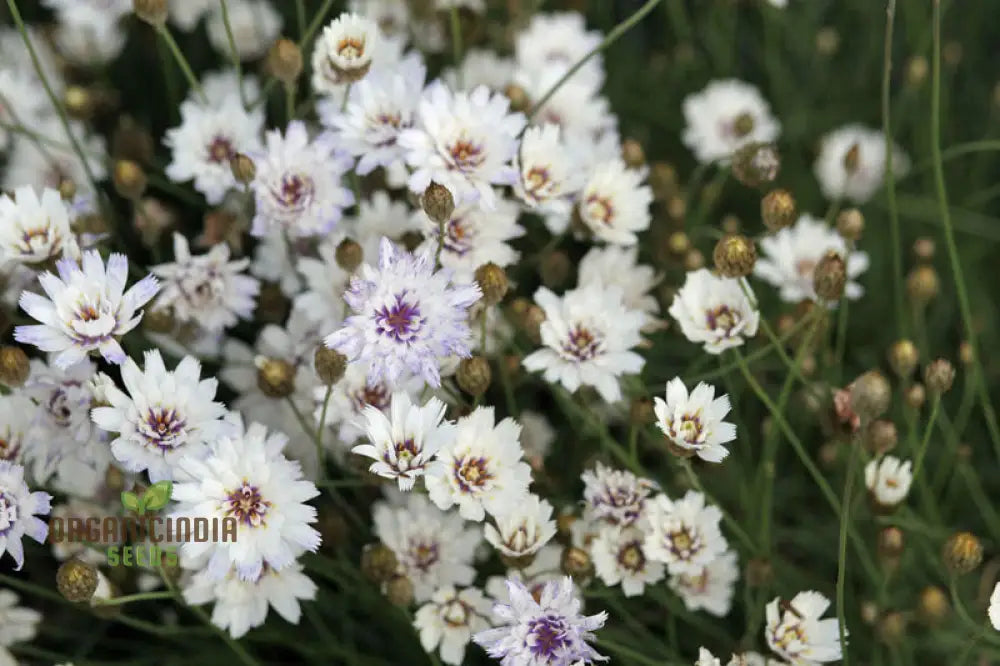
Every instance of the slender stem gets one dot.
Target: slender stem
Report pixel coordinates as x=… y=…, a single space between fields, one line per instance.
x=237 y=64
x=731 y=523
x=841 y=342
x=314 y=25
x=440 y=247
x=321 y=427
x=456 y=43
x=182 y=62
x=918 y=464
x=143 y=596
x=290 y=102
x=300 y=17
x=845 y=502
x=890 y=180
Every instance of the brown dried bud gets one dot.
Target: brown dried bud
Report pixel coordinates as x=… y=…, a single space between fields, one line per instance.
x=474 y=375
x=851 y=224
x=756 y=164
x=632 y=153
x=939 y=376
x=778 y=210
x=962 y=553
x=891 y=542
x=438 y=202
x=272 y=304
x=160 y=320
x=493 y=283
x=14 y=366
x=966 y=354
x=891 y=628
x=399 y=591
x=275 y=377
x=923 y=284
x=933 y=606
x=349 y=255
x=576 y=563
x=519 y=100
x=830 y=276
x=332 y=527
x=731 y=224
x=153 y=12
x=555 y=269
x=79 y=102
x=694 y=260
x=129 y=179
x=641 y=412
x=76 y=580
x=662 y=180
x=67 y=189
x=243 y=168
x=330 y=365
x=870 y=395
x=916 y=396
x=378 y=562
x=882 y=436
x=903 y=358
x=284 y=61
x=533 y=320
x=735 y=256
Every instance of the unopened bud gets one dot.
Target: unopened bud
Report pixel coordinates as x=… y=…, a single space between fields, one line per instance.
x=349 y=255
x=891 y=628
x=891 y=542
x=756 y=164
x=474 y=375
x=678 y=243
x=533 y=320
x=693 y=260
x=555 y=269
x=851 y=224
x=923 y=284
x=153 y=12
x=735 y=256
x=275 y=377
x=243 y=168
x=662 y=180
x=67 y=189
x=939 y=376
x=76 y=580
x=870 y=395
x=882 y=436
x=284 y=61
x=492 y=281
x=378 y=562
x=641 y=412
x=777 y=209
x=330 y=365
x=79 y=102
x=962 y=553
x=160 y=320
x=576 y=563
x=438 y=202
x=933 y=607
x=830 y=276
x=633 y=154
x=916 y=70
x=519 y=100
x=903 y=357
x=966 y=354
x=129 y=179
x=923 y=249
x=14 y=367
x=916 y=395
x=399 y=591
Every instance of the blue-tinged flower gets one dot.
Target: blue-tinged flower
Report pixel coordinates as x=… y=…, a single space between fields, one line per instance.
x=19 y=509
x=87 y=309
x=408 y=317
x=550 y=631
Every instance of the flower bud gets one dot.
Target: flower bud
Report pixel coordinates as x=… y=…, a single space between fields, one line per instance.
x=891 y=628
x=555 y=269
x=438 y=202
x=891 y=542
x=915 y=395
x=938 y=376
x=923 y=249
x=492 y=281
x=67 y=189
x=349 y=255
x=778 y=210
x=14 y=366
x=519 y=100
x=923 y=285
x=693 y=260
x=756 y=164
x=903 y=357
x=933 y=607
x=830 y=276
x=870 y=395
x=332 y=527
x=272 y=304
x=399 y=591
x=284 y=61
x=731 y=224
x=129 y=179
x=533 y=319
x=966 y=354
x=662 y=180
x=275 y=377
x=962 y=553
x=160 y=320
x=153 y=12
x=851 y=224
x=735 y=256
x=917 y=69
x=243 y=168
x=330 y=365
x=882 y=436
x=474 y=375
x=576 y=563
x=79 y=102
x=378 y=562
x=827 y=40
x=76 y=580
x=678 y=243
x=633 y=154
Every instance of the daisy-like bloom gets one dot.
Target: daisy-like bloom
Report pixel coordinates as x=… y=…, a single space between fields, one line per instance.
x=795 y=631
x=408 y=317
x=87 y=309
x=404 y=442
x=208 y=137
x=560 y=40
x=522 y=531
x=298 y=184
x=480 y=67
x=207 y=290
x=551 y=631
x=450 y=619
x=377 y=217
x=241 y=605
x=587 y=336
x=34 y=229
x=51 y=165
x=86 y=11
x=15 y=422
x=164 y=416
x=91 y=43
x=615 y=496
x=19 y=511
x=711 y=590
x=789 y=259
x=684 y=534
x=575 y=107
x=186 y=15
x=464 y=141
x=473 y=237
x=379 y=107
x=255 y=24
x=547 y=176
x=888 y=480
x=706 y=658
x=17 y=624
x=614 y=204
x=714 y=311
x=246 y=477
x=480 y=468
x=725 y=116
x=618 y=266
x=619 y=557
x=224 y=83
x=344 y=52
x=434 y=549
x=851 y=163
x=994 y=609
x=694 y=423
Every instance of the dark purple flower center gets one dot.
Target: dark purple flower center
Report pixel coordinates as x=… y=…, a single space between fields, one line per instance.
x=722 y=317
x=465 y=155
x=683 y=542
x=550 y=636
x=582 y=344
x=8 y=513
x=401 y=321
x=472 y=474
x=375 y=395
x=246 y=505
x=296 y=191
x=631 y=557
x=163 y=428
x=221 y=150
x=424 y=554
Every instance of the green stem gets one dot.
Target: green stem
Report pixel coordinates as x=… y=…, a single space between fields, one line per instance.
x=303 y=45
x=321 y=427
x=731 y=523
x=846 y=502
x=182 y=62
x=919 y=462
x=144 y=596
x=890 y=180
x=300 y=17
x=290 y=102
x=237 y=64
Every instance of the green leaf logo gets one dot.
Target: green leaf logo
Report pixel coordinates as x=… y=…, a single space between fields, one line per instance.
x=157 y=495
x=132 y=502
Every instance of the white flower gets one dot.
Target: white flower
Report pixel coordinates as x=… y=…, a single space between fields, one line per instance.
x=480 y=67
x=47 y=165
x=464 y=142
x=574 y=107
x=222 y=84
x=344 y=52
x=480 y=468
x=15 y=422
x=241 y=605
x=322 y=299
x=380 y=217
x=524 y=529
x=255 y=25
x=706 y=658
x=391 y=16
x=23 y=98
x=537 y=435
x=185 y=15
x=450 y=619
x=298 y=184
x=80 y=509
x=17 y=624
x=208 y=137
x=615 y=496
x=790 y=257
x=614 y=204
x=695 y=422
x=93 y=43
x=684 y=534
x=87 y=309
x=19 y=511
x=545 y=567
x=208 y=289
x=852 y=163
x=560 y=40
x=619 y=557
x=710 y=590
x=587 y=336
x=433 y=548
x=714 y=311
x=473 y=237
x=994 y=609
x=247 y=477
x=888 y=480
x=547 y=178
x=404 y=443
x=87 y=11
x=618 y=266
x=164 y=416
x=725 y=116
x=796 y=632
